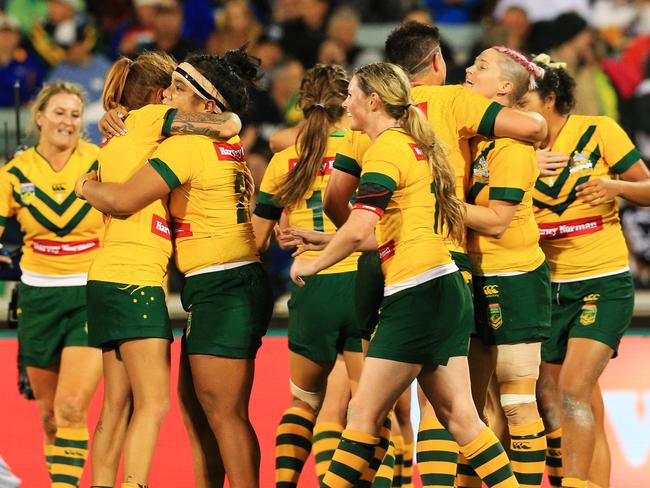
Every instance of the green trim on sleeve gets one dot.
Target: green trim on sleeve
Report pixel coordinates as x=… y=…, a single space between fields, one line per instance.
x=347 y=165
x=3 y=221
x=267 y=199
x=379 y=179
x=169 y=119
x=165 y=172
x=626 y=161
x=486 y=127
x=507 y=194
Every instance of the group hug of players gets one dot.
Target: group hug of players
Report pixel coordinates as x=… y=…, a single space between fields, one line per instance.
x=433 y=242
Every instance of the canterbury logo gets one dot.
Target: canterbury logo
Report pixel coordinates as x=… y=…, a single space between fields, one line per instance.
x=556 y=453
x=58 y=187
x=591 y=298
x=491 y=290
x=521 y=446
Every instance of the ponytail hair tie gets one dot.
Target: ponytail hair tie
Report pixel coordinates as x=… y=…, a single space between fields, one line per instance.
x=546 y=59
x=321 y=105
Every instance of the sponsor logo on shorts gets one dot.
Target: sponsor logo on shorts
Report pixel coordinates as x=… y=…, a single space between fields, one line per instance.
x=491 y=290
x=160 y=227
x=588 y=315
x=495 y=318
x=54 y=248
x=27 y=193
x=592 y=297
x=230 y=152
x=182 y=229
x=570 y=228
x=386 y=251
x=417 y=150
x=521 y=446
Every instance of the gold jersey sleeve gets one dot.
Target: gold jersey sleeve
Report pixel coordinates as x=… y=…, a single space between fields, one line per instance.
x=457 y=114
x=61 y=233
x=135 y=249
x=505 y=169
x=408 y=245
x=209 y=204
x=350 y=151
x=308 y=214
x=581 y=240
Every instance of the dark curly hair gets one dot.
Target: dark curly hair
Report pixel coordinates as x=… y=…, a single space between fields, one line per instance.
x=231 y=74
x=559 y=82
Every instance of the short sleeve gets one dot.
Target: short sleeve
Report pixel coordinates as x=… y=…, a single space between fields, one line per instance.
x=474 y=114
x=514 y=171
x=617 y=150
x=350 y=151
x=155 y=119
x=378 y=169
x=172 y=161
x=266 y=206
x=7 y=208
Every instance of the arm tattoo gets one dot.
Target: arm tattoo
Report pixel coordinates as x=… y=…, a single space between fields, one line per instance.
x=179 y=128
x=199 y=124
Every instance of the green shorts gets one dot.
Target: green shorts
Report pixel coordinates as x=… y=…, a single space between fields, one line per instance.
x=596 y=308
x=229 y=311
x=118 y=311
x=322 y=320
x=464 y=265
x=426 y=324
x=368 y=292
x=510 y=309
x=49 y=319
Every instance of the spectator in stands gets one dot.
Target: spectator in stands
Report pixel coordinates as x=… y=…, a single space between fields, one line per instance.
x=134 y=36
x=618 y=19
x=16 y=64
x=343 y=27
x=168 y=30
x=544 y=10
x=60 y=29
x=454 y=11
x=301 y=36
x=89 y=70
x=331 y=51
x=636 y=227
x=642 y=113
x=235 y=26
x=284 y=90
x=569 y=39
x=26 y=12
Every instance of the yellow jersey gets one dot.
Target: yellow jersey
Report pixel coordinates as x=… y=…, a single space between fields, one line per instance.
x=61 y=233
x=208 y=204
x=505 y=169
x=407 y=243
x=456 y=114
x=136 y=249
x=308 y=214
x=582 y=241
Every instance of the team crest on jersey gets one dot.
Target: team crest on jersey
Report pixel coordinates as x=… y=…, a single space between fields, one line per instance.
x=588 y=315
x=27 y=193
x=579 y=162
x=494 y=315
x=480 y=170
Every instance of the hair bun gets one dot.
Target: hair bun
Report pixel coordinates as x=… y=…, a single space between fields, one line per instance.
x=245 y=66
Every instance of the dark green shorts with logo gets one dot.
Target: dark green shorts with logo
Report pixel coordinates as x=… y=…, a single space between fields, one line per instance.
x=510 y=309
x=598 y=308
x=369 y=292
x=322 y=320
x=229 y=310
x=464 y=266
x=426 y=324
x=119 y=311
x=49 y=319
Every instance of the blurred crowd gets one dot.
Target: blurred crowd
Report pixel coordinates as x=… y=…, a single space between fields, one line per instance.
x=606 y=44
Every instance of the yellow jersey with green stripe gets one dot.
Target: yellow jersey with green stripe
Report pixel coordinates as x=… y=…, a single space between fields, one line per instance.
x=456 y=114
x=308 y=214
x=505 y=169
x=209 y=204
x=406 y=242
x=580 y=240
x=61 y=233
x=136 y=248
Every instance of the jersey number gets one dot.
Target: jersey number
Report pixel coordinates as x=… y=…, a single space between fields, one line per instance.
x=315 y=202
x=240 y=187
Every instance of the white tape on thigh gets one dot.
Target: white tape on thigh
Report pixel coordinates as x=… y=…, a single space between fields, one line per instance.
x=313 y=399
x=518 y=361
x=515 y=399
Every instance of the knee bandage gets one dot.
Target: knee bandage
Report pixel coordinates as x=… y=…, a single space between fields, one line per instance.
x=313 y=399
x=518 y=363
